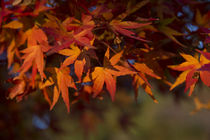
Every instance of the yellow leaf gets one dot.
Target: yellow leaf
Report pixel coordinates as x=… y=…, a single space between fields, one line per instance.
x=171 y=33
x=14 y=25
x=46 y=84
x=10 y=53
x=189 y=58
x=180 y=79
x=138 y=81
x=144 y=69
x=73 y=53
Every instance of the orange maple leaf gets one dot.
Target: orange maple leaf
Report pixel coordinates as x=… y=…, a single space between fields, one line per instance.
x=19 y=88
x=140 y=79
x=13 y=47
x=33 y=54
x=190 y=72
x=40 y=7
x=11 y=52
x=64 y=81
x=78 y=57
x=106 y=74
x=43 y=86
x=79 y=67
x=72 y=54
x=137 y=82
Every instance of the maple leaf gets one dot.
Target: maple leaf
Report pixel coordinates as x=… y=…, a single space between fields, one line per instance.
x=106 y=74
x=80 y=58
x=72 y=54
x=191 y=72
x=13 y=25
x=40 y=7
x=143 y=68
x=19 y=88
x=47 y=83
x=12 y=49
x=171 y=33
x=122 y=26
x=43 y=86
x=79 y=67
x=36 y=36
x=199 y=105
x=74 y=24
x=202 y=20
x=10 y=52
x=132 y=9
x=83 y=37
x=64 y=81
x=137 y=82
x=140 y=79
x=101 y=75
x=70 y=31
x=33 y=54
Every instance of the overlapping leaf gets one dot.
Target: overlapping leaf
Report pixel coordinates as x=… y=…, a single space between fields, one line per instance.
x=64 y=81
x=72 y=54
x=140 y=79
x=122 y=26
x=14 y=25
x=70 y=31
x=107 y=74
x=33 y=54
x=191 y=72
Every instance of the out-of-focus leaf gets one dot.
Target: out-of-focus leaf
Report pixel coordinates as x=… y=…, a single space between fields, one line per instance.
x=133 y=9
x=202 y=20
x=199 y=105
x=137 y=82
x=14 y=25
x=171 y=33
x=122 y=26
x=19 y=87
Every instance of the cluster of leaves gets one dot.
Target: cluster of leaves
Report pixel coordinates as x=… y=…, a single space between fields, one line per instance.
x=80 y=48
